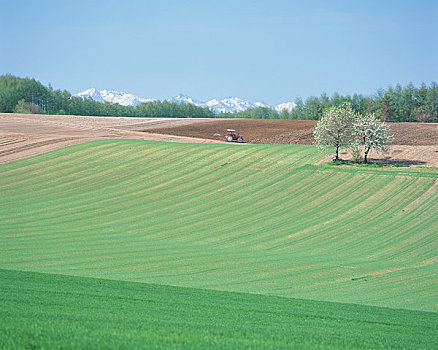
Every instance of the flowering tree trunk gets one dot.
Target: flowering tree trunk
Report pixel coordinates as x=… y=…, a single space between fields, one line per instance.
x=372 y=133
x=335 y=129
x=365 y=155
x=337 y=151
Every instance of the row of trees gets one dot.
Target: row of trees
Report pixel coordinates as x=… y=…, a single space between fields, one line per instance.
x=341 y=127
x=30 y=96
x=399 y=104
x=253 y=113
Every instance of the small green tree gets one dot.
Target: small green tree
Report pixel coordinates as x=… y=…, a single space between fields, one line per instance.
x=370 y=133
x=21 y=107
x=28 y=108
x=335 y=128
x=284 y=114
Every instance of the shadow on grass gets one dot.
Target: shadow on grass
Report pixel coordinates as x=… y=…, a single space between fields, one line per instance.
x=377 y=163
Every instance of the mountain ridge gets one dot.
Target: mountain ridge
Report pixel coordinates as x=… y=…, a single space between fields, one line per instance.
x=225 y=105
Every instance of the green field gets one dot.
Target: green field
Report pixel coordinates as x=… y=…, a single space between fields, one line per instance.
x=54 y=311
x=241 y=218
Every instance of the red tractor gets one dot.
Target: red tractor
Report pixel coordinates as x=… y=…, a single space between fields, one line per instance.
x=231 y=135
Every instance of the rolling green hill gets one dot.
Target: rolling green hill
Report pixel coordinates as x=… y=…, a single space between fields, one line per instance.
x=54 y=311
x=251 y=218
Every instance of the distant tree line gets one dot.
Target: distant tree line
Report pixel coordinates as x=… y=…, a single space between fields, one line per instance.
x=253 y=113
x=24 y=95
x=400 y=104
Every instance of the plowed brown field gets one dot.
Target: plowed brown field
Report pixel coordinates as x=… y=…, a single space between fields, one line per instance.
x=414 y=143
x=274 y=131
x=23 y=135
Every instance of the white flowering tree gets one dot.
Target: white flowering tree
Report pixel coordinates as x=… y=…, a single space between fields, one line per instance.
x=371 y=133
x=335 y=128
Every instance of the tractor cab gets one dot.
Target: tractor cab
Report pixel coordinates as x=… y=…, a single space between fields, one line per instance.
x=231 y=132
x=233 y=135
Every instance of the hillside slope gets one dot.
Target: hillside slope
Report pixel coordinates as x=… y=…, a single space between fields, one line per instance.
x=52 y=312
x=251 y=218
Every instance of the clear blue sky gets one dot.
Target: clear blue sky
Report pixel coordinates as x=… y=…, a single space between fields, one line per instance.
x=257 y=50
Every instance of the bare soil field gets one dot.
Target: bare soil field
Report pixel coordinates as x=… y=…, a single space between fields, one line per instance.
x=23 y=135
x=266 y=131
x=414 y=143
x=274 y=131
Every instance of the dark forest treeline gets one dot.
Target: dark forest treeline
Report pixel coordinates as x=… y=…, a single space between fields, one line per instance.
x=399 y=104
x=23 y=95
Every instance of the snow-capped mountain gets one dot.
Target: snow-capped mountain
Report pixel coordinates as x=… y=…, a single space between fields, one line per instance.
x=237 y=104
x=217 y=106
x=181 y=98
x=121 y=98
x=226 y=105
x=261 y=104
x=91 y=93
x=289 y=106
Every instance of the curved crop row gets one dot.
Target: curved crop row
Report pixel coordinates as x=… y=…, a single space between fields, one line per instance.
x=250 y=218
